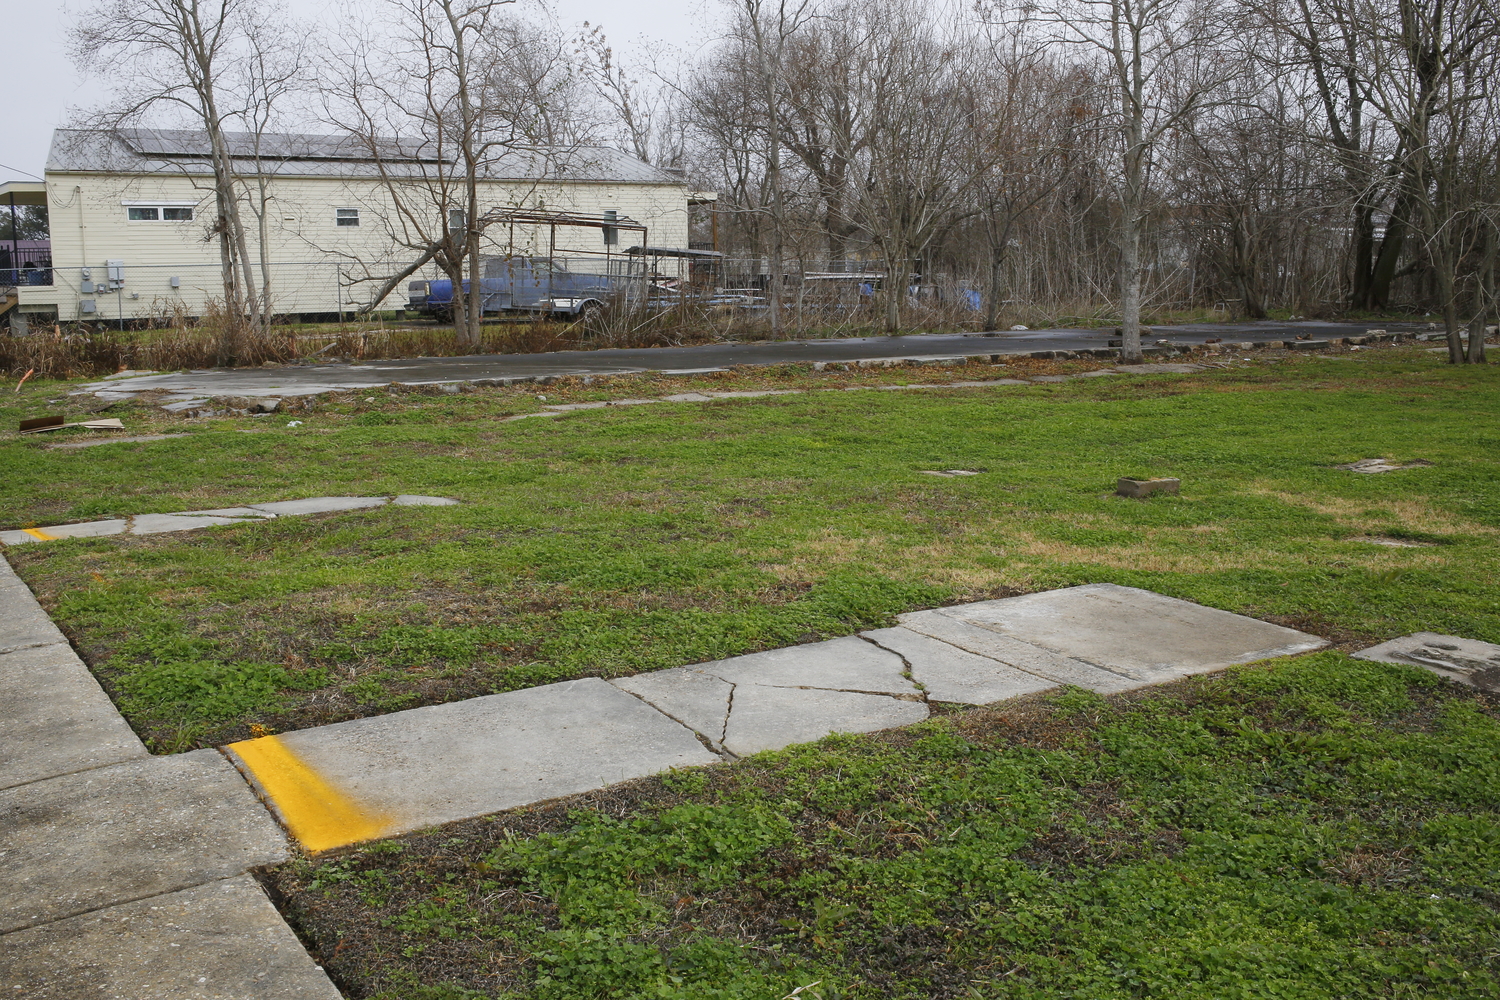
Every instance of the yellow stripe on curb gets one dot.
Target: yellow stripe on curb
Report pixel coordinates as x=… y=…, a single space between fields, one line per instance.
x=39 y=533
x=319 y=815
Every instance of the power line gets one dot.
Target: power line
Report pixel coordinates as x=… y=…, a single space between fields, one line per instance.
x=18 y=170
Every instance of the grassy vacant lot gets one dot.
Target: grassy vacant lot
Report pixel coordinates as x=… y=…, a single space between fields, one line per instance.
x=1320 y=827
x=613 y=541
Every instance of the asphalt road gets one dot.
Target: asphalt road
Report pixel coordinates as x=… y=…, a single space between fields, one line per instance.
x=300 y=380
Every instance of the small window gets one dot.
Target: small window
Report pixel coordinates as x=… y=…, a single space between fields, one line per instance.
x=177 y=214
x=611 y=234
x=347 y=216
x=144 y=214
x=457 y=223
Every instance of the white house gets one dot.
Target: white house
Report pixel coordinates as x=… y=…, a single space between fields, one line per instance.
x=131 y=216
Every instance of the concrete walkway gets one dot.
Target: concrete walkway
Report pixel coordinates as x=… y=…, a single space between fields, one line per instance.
x=352 y=781
x=188 y=520
x=124 y=875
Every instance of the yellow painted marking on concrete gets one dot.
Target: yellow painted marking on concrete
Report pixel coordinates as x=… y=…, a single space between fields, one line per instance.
x=318 y=814
x=39 y=533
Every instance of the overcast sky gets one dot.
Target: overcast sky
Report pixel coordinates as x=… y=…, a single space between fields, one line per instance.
x=44 y=86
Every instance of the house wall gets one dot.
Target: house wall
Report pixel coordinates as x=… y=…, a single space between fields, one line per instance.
x=317 y=266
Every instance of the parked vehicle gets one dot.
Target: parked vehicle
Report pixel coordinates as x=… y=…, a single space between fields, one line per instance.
x=527 y=284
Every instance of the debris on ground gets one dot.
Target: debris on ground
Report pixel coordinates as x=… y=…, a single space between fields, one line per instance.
x=1128 y=487
x=40 y=424
x=1369 y=466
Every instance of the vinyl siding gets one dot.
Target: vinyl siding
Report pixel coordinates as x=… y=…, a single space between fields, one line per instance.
x=316 y=265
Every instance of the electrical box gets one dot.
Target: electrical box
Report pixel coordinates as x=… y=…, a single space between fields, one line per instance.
x=175 y=281
x=85 y=273
x=116 y=269
x=87 y=287
x=86 y=306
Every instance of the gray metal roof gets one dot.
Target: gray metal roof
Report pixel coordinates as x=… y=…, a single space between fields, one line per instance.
x=178 y=151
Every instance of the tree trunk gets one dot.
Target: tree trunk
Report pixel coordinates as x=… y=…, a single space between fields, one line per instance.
x=1130 y=285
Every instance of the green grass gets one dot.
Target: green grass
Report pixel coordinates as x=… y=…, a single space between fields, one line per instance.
x=614 y=541
x=1312 y=828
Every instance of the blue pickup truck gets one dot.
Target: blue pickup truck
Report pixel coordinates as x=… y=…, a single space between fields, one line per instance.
x=525 y=284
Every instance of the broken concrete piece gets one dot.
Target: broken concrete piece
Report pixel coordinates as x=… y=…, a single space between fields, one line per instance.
x=114 y=834
x=698 y=700
x=219 y=941
x=769 y=718
x=414 y=500
x=1370 y=466
x=55 y=719
x=1127 y=487
x=948 y=673
x=1467 y=661
x=948 y=473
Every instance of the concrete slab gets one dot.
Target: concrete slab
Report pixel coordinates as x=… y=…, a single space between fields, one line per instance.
x=412 y=500
x=88 y=529
x=125 y=832
x=374 y=777
x=320 y=505
x=55 y=718
x=686 y=397
x=698 y=700
x=948 y=673
x=1023 y=656
x=849 y=664
x=23 y=623
x=132 y=439
x=156 y=524
x=1132 y=632
x=243 y=512
x=1467 y=661
x=219 y=941
x=769 y=718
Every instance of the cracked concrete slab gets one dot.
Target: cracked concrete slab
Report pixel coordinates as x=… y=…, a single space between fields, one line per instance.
x=23 y=623
x=1135 y=633
x=120 y=833
x=219 y=941
x=319 y=505
x=375 y=777
x=1017 y=653
x=239 y=512
x=415 y=500
x=1467 y=661
x=55 y=719
x=948 y=673
x=848 y=664
x=698 y=700
x=769 y=718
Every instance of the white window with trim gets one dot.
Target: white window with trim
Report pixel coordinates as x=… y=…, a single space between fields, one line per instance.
x=346 y=216
x=159 y=211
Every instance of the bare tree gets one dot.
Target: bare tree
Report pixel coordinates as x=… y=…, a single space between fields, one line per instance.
x=768 y=26
x=437 y=113
x=193 y=60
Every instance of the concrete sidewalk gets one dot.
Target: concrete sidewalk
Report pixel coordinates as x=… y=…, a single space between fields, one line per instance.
x=189 y=520
x=124 y=875
x=353 y=781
